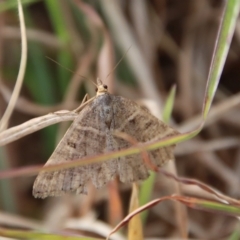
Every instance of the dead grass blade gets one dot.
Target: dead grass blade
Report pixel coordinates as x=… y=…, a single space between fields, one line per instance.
x=23 y=62
x=34 y=125
x=195 y=203
x=220 y=197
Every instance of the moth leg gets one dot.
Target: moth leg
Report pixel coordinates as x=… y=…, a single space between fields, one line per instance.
x=86 y=97
x=85 y=101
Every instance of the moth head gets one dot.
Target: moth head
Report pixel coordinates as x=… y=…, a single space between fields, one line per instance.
x=101 y=88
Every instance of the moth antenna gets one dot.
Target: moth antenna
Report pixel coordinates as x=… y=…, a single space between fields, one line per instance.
x=99 y=81
x=119 y=62
x=70 y=70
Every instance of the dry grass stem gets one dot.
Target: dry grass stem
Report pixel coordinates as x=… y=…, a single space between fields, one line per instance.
x=34 y=125
x=19 y=82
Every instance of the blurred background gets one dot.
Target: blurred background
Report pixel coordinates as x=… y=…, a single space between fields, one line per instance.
x=163 y=43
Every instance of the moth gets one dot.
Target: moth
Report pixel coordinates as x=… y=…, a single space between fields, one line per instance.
x=92 y=133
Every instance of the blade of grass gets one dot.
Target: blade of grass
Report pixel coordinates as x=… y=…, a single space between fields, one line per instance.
x=36 y=235
x=236 y=234
x=24 y=171
x=224 y=39
x=64 y=56
x=135 y=227
x=189 y=202
x=7 y=114
x=145 y=193
x=215 y=207
x=168 y=106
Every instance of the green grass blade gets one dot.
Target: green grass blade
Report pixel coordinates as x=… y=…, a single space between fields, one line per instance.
x=31 y=235
x=64 y=56
x=217 y=207
x=235 y=235
x=167 y=110
x=221 y=50
x=57 y=20
x=145 y=193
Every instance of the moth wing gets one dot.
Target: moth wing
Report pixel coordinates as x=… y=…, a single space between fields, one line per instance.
x=85 y=137
x=139 y=123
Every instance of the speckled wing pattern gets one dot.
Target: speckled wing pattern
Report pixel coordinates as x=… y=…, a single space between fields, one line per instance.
x=92 y=133
x=138 y=122
x=88 y=135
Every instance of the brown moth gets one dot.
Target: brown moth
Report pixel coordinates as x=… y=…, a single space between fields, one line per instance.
x=92 y=133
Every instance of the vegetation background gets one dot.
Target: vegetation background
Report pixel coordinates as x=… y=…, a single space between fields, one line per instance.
x=164 y=43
